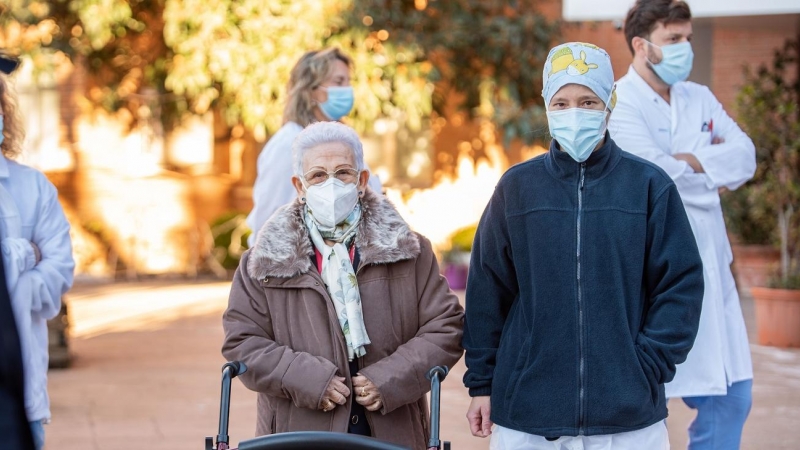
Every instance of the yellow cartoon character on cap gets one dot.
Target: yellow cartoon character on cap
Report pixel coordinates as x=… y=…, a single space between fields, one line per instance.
x=565 y=60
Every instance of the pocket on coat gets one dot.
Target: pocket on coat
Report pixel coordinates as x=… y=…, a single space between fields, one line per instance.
x=646 y=372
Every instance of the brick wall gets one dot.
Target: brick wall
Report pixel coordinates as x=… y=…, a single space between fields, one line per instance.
x=733 y=47
x=605 y=36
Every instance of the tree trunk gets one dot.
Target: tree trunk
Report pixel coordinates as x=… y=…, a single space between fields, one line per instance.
x=784 y=219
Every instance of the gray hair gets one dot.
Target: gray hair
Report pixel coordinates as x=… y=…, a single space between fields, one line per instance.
x=322 y=133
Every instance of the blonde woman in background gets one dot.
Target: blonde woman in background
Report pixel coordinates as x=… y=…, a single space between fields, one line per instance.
x=37 y=257
x=319 y=90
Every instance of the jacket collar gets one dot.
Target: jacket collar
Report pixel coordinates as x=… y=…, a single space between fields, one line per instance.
x=600 y=163
x=283 y=247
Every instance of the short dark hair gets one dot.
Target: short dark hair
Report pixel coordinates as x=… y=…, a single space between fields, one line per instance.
x=645 y=15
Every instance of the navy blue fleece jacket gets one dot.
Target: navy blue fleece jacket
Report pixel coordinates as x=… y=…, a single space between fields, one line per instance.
x=584 y=292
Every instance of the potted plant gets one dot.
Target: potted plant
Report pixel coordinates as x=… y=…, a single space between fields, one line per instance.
x=770 y=114
x=456 y=259
x=750 y=223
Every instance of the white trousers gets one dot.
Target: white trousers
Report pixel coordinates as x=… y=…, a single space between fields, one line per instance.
x=654 y=437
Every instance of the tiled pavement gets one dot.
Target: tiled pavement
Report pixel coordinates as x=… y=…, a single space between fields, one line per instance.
x=145 y=375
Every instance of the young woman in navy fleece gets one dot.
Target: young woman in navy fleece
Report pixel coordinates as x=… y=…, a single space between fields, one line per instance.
x=585 y=285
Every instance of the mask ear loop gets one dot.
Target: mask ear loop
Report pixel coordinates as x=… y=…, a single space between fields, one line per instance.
x=610 y=103
x=647 y=58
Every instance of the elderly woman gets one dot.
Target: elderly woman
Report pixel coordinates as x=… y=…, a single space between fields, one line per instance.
x=339 y=309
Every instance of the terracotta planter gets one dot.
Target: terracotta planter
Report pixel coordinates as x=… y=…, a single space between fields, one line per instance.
x=777 y=316
x=753 y=265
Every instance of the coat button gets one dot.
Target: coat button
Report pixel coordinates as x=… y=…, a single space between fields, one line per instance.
x=266 y=280
x=354 y=420
x=316 y=283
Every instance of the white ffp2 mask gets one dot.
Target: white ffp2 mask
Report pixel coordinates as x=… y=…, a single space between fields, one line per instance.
x=332 y=201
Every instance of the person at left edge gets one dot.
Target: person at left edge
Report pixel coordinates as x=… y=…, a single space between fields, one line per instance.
x=14 y=427
x=37 y=254
x=339 y=310
x=585 y=284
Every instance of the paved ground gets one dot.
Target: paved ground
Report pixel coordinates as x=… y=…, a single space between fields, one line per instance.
x=146 y=375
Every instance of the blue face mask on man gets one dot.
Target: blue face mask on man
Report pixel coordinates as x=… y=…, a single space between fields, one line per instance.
x=339 y=103
x=577 y=130
x=676 y=62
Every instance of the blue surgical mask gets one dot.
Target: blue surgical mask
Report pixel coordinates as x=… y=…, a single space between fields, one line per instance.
x=577 y=130
x=676 y=63
x=339 y=102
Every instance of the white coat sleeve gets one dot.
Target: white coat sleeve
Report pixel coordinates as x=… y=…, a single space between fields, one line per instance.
x=273 y=187
x=631 y=133
x=47 y=281
x=733 y=162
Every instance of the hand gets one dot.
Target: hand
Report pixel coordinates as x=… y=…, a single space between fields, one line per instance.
x=690 y=159
x=36 y=253
x=723 y=190
x=367 y=394
x=478 y=416
x=717 y=140
x=335 y=394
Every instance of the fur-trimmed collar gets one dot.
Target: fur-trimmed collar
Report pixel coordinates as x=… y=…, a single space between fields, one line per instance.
x=283 y=247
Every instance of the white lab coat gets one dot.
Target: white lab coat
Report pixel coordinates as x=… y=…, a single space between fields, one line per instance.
x=30 y=212
x=644 y=124
x=273 y=187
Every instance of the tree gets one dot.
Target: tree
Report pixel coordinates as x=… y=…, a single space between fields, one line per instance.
x=769 y=113
x=489 y=51
x=234 y=55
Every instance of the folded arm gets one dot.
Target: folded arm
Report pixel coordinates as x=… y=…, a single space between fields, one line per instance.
x=37 y=283
x=631 y=133
x=732 y=161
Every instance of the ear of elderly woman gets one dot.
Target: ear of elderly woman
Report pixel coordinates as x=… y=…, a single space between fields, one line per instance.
x=339 y=309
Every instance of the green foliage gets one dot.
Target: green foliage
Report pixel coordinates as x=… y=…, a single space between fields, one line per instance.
x=791 y=282
x=748 y=217
x=235 y=55
x=460 y=246
x=119 y=43
x=230 y=234
x=462 y=239
x=769 y=112
x=491 y=52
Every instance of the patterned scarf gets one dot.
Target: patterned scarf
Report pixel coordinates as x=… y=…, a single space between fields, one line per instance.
x=340 y=278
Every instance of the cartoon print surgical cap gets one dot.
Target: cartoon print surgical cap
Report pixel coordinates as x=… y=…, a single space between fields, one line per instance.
x=579 y=63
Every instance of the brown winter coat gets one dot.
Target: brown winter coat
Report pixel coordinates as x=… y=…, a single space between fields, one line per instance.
x=282 y=324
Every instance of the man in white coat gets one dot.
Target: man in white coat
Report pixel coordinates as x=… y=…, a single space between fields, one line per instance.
x=681 y=127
